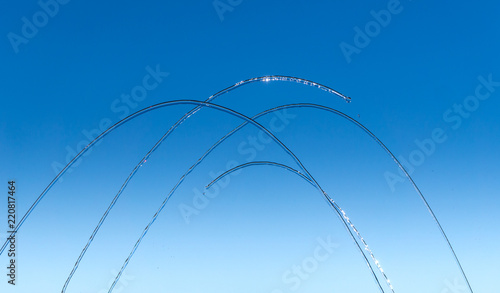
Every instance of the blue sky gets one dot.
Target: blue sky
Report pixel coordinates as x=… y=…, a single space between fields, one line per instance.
x=423 y=77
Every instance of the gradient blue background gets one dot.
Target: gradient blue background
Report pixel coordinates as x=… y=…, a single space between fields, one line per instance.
x=66 y=78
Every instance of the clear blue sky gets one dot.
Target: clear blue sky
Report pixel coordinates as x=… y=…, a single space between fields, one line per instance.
x=417 y=71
